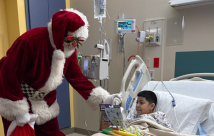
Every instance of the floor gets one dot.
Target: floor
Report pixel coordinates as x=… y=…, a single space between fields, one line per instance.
x=75 y=134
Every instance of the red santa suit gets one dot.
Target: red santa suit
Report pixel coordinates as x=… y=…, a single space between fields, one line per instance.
x=39 y=59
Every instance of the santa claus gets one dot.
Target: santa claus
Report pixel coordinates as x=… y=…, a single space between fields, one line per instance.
x=35 y=66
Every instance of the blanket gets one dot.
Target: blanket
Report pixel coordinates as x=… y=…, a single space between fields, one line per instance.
x=146 y=126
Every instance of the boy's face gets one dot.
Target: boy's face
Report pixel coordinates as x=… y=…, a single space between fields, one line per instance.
x=143 y=106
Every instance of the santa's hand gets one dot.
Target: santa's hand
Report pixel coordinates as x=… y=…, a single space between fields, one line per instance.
x=21 y=120
x=32 y=120
x=114 y=99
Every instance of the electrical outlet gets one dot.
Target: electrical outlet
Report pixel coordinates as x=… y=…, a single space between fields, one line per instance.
x=152 y=74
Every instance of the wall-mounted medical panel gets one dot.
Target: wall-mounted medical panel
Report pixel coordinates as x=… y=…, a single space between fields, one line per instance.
x=154 y=30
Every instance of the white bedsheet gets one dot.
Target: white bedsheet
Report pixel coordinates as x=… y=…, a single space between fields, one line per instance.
x=198 y=89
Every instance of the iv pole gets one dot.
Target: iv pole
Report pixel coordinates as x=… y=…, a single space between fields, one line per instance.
x=100 y=20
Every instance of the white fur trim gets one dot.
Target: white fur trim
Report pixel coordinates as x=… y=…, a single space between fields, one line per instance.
x=45 y=113
x=10 y=109
x=96 y=97
x=58 y=55
x=57 y=67
x=51 y=35
x=82 y=31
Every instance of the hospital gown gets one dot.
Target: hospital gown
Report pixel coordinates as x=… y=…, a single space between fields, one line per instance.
x=158 y=117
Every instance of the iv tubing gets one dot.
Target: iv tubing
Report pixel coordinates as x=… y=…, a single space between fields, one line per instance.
x=124 y=63
x=138 y=40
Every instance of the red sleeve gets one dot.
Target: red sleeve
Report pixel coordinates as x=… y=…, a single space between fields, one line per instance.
x=11 y=75
x=77 y=80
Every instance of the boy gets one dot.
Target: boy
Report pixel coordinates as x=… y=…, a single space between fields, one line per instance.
x=145 y=105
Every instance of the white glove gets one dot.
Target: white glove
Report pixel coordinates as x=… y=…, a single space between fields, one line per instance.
x=22 y=119
x=14 y=124
x=32 y=120
x=114 y=99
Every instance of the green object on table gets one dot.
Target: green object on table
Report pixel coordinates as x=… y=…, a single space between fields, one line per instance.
x=123 y=129
x=107 y=131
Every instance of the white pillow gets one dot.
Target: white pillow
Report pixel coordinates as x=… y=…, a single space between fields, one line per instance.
x=189 y=111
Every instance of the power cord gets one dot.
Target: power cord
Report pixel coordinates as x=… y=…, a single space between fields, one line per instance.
x=176 y=119
x=138 y=40
x=173 y=99
x=173 y=102
x=85 y=123
x=108 y=85
x=124 y=59
x=115 y=69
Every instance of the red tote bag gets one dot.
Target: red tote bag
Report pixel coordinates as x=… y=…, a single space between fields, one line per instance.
x=26 y=130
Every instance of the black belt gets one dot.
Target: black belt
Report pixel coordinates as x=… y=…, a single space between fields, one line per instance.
x=32 y=93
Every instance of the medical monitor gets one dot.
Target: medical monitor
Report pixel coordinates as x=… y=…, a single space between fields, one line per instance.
x=123 y=26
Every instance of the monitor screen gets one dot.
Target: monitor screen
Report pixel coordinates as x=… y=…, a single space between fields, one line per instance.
x=85 y=64
x=124 y=25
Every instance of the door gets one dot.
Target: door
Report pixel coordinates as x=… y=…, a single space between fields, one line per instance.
x=38 y=14
x=55 y=5
x=63 y=99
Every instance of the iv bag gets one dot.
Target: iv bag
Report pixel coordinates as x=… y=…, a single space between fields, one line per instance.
x=99 y=8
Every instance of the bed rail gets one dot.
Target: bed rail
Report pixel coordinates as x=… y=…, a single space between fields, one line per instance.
x=194 y=77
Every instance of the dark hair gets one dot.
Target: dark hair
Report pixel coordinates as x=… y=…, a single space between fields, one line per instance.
x=149 y=95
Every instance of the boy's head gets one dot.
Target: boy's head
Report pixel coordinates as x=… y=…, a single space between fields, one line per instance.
x=146 y=102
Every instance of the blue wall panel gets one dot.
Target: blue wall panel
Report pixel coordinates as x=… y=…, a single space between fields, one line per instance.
x=55 y=5
x=38 y=13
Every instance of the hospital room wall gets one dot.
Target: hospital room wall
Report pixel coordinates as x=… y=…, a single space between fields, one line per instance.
x=198 y=35
x=3 y=29
x=3 y=42
x=116 y=74
x=12 y=25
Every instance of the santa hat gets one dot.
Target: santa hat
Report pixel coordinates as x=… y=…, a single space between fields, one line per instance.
x=64 y=21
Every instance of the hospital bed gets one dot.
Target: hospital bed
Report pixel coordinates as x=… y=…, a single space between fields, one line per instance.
x=191 y=85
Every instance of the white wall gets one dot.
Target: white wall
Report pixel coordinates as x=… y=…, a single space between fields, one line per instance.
x=198 y=35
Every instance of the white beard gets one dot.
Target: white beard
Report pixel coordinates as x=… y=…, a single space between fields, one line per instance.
x=67 y=51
